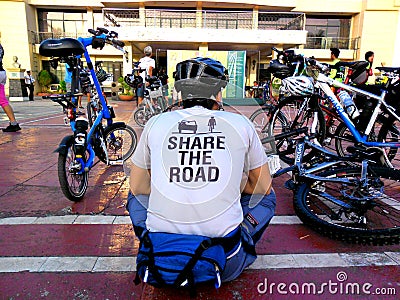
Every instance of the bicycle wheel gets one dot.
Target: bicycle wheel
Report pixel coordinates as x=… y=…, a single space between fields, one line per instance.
x=352 y=211
x=291 y=114
x=73 y=185
x=388 y=132
x=141 y=116
x=121 y=141
x=260 y=119
x=343 y=139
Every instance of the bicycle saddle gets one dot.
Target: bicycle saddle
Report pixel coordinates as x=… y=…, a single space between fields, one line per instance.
x=61 y=47
x=278 y=69
x=389 y=69
x=355 y=65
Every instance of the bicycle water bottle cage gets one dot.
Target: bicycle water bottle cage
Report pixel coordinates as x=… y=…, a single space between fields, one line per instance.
x=61 y=47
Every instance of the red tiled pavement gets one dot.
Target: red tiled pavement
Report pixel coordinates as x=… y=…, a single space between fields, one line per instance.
x=119 y=240
x=29 y=187
x=250 y=285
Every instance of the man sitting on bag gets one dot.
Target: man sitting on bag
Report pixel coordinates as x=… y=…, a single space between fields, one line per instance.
x=190 y=181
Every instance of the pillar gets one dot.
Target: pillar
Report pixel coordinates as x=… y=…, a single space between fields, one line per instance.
x=17 y=89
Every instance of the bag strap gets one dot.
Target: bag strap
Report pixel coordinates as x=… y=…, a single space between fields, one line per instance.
x=184 y=274
x=227 y=242
x=144 y=238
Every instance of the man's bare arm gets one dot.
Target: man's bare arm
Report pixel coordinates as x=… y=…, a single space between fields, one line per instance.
x=139 y=181
x=259 y=181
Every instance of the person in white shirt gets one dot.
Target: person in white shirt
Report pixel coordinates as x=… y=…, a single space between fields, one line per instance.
x=147 y=63
x=190 y=178
x=30 y=84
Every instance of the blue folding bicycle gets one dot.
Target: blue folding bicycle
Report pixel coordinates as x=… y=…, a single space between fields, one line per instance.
x=112 y=142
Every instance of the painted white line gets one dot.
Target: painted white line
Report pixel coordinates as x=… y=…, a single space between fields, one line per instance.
x=100 y=219
x=128 y=264
x=45 y=125
x=42 y=119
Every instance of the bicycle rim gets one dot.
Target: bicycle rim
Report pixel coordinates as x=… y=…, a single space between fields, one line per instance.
x=372 y=215
x=140 y=117
x=260 y=120
x=389 y=133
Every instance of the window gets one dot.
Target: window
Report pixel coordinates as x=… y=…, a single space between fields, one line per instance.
x=328 y=31
x=58 y=24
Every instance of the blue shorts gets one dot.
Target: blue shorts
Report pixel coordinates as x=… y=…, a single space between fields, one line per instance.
x=140 y=91
x=255 y=220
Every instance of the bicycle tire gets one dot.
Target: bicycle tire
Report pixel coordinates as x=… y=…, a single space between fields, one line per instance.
x=140 y=117
x=314 y=206
x=285 y=118
x=260 y=120
x=343 y=135
x=121 y=141
x=390 y=133
x=73 y=186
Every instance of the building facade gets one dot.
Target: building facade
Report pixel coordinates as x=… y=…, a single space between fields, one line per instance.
x=172 y=27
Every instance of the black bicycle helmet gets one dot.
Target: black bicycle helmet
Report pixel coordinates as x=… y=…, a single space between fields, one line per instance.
x=200 y=78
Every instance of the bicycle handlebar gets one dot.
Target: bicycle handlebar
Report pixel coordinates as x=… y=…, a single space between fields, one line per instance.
x=110 y=37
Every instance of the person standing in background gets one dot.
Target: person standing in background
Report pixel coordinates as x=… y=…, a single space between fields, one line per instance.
x=30 y=84
x=13 y=126
x=147 y=63
x=335 y=59
x=369 y=57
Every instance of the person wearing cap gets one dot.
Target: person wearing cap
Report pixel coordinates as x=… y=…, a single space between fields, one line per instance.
x=148 y=64
x=188 y=179
x=335 y=59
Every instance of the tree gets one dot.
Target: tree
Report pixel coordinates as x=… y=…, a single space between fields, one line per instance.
x=44 y=79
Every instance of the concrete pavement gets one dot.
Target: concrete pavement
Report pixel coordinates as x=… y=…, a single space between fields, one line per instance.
x=54 y=249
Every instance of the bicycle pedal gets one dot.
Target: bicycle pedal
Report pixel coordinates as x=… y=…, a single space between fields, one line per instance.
x=290 y=185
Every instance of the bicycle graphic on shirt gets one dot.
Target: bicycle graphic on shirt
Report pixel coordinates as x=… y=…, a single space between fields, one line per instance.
x=190 y=126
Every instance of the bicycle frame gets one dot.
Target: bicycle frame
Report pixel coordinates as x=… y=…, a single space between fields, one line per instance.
x=103 y=113
x=302 y=172
x=325 y=82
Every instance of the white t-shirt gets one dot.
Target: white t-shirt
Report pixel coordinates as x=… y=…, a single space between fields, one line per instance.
x=29 y=79
x=197 y=159
x=145 y=63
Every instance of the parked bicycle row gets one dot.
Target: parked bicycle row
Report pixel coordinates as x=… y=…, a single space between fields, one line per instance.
x=351 y=193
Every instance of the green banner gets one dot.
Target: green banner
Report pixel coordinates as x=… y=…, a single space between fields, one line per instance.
x=236 y=69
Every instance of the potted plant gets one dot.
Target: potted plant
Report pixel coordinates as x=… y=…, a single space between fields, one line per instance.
x=62 y=88
x=44 y=79
x=127 y=94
